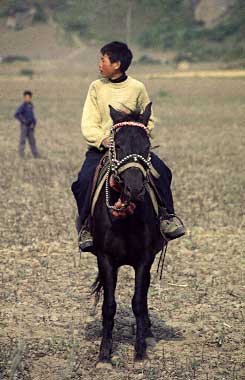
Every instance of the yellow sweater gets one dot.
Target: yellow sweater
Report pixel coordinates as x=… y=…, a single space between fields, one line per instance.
x=96 y=121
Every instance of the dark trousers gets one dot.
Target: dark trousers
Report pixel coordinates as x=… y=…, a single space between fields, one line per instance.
x=27 y=133
x=83 y=186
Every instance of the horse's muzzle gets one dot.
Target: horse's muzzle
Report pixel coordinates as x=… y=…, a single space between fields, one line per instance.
x=133 y=194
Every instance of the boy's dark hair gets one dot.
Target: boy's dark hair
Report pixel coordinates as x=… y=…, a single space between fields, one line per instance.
x=118 y=51
x=27 y=92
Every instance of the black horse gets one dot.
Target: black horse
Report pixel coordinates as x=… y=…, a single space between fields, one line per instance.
x=134 y=240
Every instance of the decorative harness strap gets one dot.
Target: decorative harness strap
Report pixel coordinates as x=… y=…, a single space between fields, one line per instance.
x=115 y=163
x=132 y=165
x=119 y=166
x=131 y=123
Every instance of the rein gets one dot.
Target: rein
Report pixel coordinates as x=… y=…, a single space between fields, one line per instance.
x=130 y=161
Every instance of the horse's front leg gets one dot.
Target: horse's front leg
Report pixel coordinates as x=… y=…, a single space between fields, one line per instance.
x=109 y=279
x=140 y=309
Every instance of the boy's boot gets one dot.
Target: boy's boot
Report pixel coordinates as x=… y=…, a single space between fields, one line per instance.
x=85 y=239
x=171 y=226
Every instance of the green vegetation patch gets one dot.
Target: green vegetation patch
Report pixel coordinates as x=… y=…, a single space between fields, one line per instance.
x=15 y=58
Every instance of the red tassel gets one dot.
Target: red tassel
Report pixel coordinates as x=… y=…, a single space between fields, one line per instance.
x=114 y=184
x=129 y=210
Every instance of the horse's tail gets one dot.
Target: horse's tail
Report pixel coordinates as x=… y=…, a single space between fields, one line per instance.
x=97 y=287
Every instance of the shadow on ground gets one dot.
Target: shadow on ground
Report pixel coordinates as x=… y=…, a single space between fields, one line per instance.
x=125 y=328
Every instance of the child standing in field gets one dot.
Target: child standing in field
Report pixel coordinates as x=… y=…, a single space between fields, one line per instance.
x=25 y=115
x=122 y=93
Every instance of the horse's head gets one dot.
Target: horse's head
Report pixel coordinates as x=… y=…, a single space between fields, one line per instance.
x=130 y=152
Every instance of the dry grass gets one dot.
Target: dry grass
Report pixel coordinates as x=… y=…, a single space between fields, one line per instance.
x=199 y=74
x=49 y=328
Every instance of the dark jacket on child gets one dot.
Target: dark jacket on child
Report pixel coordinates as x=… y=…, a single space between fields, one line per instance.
x=25 y=114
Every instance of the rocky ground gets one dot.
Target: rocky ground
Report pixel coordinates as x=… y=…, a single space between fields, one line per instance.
x=50 y=328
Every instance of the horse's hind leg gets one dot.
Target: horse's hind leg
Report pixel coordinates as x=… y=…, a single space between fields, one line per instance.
x=139 y=304
x=109 y=278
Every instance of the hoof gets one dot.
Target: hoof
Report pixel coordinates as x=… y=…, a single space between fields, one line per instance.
x=141 y=363
x=104 y=365
x=151 y=341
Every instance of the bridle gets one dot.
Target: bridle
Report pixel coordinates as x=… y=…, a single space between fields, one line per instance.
x=130 y=161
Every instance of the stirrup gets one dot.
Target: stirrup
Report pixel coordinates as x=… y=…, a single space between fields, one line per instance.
x=180 y=230
x=85 y=245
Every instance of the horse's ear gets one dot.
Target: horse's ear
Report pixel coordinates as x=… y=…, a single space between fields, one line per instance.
x=115 y=115
x=146 y=114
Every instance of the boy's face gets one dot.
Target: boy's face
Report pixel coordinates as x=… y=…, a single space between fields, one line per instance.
x=108 y=69
x=27 y=98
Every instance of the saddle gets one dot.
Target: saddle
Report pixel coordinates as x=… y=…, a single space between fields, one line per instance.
x=100 y=177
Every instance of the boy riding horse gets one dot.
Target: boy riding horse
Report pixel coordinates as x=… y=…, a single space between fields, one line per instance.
x=122 y=93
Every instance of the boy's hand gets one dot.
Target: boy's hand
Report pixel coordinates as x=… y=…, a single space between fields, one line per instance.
x=106 y=142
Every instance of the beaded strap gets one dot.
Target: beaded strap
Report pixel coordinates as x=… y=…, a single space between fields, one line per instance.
x=132 y=124
x=117 y=166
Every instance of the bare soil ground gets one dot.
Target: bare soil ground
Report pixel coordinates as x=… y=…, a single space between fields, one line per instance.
x=49 y=326
x=43 y=40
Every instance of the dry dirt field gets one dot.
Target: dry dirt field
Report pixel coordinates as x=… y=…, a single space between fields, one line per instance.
x=49 y=326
